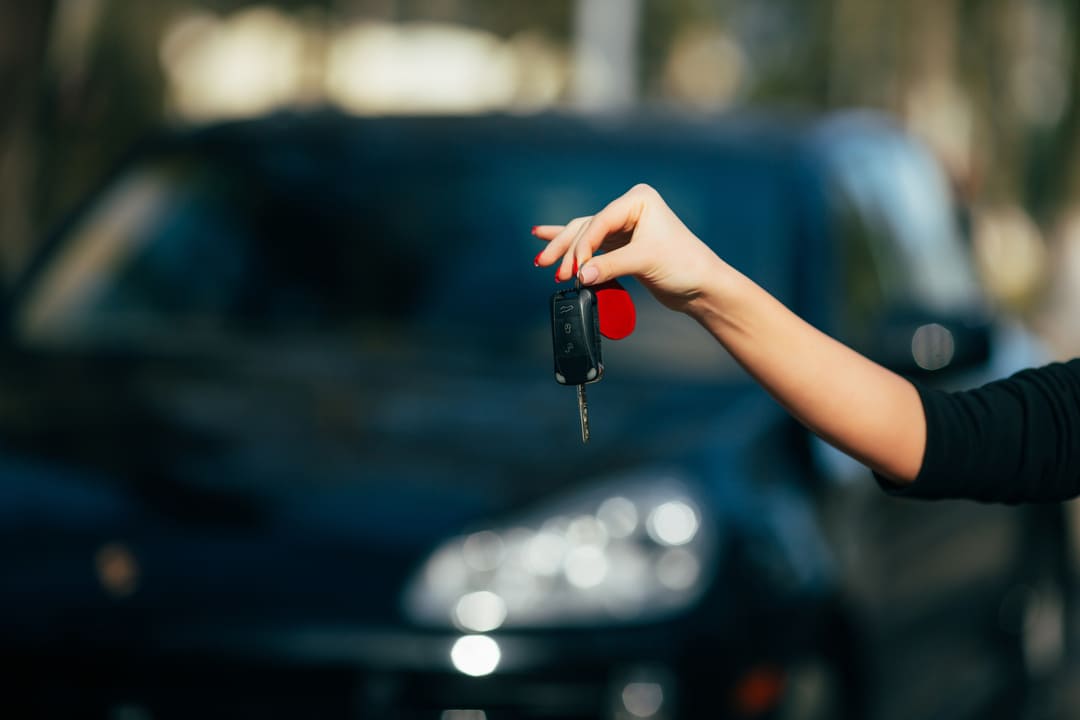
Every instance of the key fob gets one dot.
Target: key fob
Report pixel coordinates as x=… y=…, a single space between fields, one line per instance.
x=575 y=334
x=616 y=310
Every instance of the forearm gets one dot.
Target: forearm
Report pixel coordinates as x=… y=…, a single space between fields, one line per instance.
x=862 y=408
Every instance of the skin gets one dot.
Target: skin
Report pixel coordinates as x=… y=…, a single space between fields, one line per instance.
x=860 y=407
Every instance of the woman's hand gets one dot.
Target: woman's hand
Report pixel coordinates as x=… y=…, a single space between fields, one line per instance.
x=638 y=235
x=857 y=405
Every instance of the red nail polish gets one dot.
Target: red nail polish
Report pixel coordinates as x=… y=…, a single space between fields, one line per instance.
x=536 y=260
x=574 y=273
x=557 y=275
x=533 y=231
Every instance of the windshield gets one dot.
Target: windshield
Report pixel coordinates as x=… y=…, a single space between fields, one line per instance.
x=901 y=198
x=411 y=239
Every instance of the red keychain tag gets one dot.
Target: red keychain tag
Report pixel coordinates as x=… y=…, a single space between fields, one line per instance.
x=616 y=310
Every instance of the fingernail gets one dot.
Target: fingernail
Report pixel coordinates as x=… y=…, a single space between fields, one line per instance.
x=573 y=273
x=589 y=274
x=536 y=260
x=533 y=231
x=557 y=275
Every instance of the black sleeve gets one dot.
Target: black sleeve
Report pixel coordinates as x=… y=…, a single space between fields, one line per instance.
x=1011 y=441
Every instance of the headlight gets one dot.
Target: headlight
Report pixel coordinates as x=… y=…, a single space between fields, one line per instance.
x=624 y=551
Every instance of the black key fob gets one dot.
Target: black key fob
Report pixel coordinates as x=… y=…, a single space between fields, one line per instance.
x=575 y=334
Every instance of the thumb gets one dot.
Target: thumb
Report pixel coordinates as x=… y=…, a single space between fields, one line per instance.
x=609 y=266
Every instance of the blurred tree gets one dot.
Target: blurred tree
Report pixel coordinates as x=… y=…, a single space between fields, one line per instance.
x=660 y=26
x=994 y=85
x=553 y=17
x=102 y=91
x=23 y=39
x=1054 y=174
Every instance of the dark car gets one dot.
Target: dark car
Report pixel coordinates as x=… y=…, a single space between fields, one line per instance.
x=280 y=436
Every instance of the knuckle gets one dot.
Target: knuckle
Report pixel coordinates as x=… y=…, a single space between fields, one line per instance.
x=582 y=229
x=643 y=189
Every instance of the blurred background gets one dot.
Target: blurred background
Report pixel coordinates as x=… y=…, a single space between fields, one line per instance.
x=274 y=513
x=991 y=86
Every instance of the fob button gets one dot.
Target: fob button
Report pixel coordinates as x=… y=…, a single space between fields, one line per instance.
x=571 y=340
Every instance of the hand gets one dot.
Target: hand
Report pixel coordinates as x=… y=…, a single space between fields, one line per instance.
x=869 y=412
x=638 y=235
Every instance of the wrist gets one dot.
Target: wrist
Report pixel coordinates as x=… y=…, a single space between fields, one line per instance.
x=718 y=293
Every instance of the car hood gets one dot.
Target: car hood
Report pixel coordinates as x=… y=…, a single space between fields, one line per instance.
x=261 y=485
x=385 y=444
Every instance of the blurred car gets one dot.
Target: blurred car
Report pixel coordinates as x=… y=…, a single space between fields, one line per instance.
x=280 y=436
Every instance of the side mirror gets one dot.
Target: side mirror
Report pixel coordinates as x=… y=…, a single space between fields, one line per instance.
x=920 y=343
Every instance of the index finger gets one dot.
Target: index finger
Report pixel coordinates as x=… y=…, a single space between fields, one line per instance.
x=618 y=216
x=547 y=232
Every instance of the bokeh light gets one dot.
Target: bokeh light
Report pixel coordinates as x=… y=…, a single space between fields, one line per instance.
x=567 y=566
x=481 y=611
x=117 y=569
x=475 y=655
x=673 y=523
x=643 y=699
x=619 y=516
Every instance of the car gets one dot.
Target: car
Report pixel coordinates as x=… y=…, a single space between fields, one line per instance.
x=280 y=435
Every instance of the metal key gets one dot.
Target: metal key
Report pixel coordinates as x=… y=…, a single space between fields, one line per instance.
x=575 y=333
x=583 y=411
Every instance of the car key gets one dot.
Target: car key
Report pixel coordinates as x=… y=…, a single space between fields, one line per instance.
x=575 y=333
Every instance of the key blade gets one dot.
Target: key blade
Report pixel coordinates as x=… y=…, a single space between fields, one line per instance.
x=583 y=411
